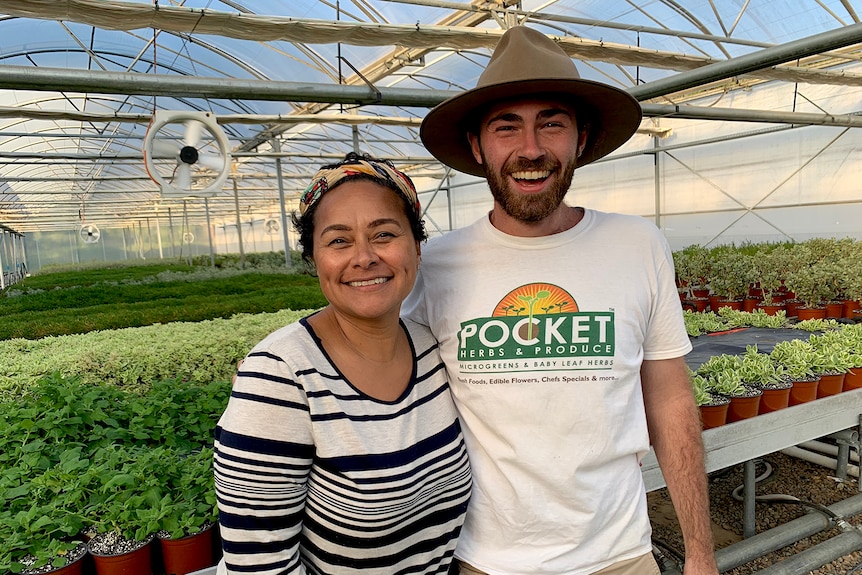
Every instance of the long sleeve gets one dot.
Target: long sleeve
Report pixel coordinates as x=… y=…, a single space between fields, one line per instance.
x=264 y=452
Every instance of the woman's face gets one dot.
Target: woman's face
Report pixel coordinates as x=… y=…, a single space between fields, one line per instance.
x=364 y=250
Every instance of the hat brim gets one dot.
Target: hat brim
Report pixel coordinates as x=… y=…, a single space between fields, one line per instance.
x=614 y=116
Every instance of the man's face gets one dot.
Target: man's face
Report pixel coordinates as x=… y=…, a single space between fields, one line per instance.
x=529 y=149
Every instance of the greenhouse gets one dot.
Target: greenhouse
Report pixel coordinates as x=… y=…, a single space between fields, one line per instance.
x=174 y=139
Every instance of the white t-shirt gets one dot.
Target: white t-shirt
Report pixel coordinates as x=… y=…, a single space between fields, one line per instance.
x=543 y=339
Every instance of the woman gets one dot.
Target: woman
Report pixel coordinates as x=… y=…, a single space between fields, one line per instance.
x=340 y=450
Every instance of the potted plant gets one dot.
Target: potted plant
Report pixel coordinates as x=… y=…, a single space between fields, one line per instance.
x=758 y=370
x=852 y=283
x=188 y=514
x=770 y=267
x=796 y=356
x=732 y=275
x=125 y=509
x=831 y=360
x=853 y=341
x=691 y=265
x=722 y=373
x=812 y=275
x=713 y=407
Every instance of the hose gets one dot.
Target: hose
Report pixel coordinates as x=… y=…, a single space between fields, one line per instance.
x=669 y=560
x=785 y=499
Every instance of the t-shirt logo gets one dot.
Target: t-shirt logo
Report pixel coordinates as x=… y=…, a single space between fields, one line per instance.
x=537 y=326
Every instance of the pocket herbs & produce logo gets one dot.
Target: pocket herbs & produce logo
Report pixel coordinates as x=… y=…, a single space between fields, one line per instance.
x=537 y=327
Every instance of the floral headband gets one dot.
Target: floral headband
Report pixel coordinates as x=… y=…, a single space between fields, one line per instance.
x=327 y=178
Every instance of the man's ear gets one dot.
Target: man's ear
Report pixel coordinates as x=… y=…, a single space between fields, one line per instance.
x=583 y=138
x=474 y=146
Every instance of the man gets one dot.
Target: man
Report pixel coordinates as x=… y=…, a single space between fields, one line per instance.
x=561 y=330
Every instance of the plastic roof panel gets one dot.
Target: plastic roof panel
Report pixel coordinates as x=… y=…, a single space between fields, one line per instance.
x=63 y=151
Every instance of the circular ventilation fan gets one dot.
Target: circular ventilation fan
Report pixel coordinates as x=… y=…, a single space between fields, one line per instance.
x=186 y=154
x=188 y=237
x=89 y=233
x=271 y=226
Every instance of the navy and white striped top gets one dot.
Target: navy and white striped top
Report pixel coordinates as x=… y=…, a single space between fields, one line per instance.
x=313 y=476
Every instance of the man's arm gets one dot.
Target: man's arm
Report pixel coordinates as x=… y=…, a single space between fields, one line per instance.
x=675 y=434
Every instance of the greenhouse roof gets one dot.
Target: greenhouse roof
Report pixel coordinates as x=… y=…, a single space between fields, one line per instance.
x=297 y=83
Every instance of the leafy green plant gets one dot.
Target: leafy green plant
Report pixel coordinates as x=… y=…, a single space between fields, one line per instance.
x=122 y=297
x=759 y=370
x=770 y=267
x=812 y=272
x=733 y=272
x=691 y=265
x=131 y=357
x=797 y=358
x=831 y=353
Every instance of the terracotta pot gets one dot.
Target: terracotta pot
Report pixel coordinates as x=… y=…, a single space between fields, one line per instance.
x=774 y=399
x=751 y=303
x=852 y=309
x=732 y=304
x=771 y=309
x=830 y=385
x=835 y=310
x=700 y=292
x=778 y=298
x=804 y=313
x=853 y=379
x=743 y=407
x=699 y=303
x=804 y=391
x=188 y=554
x=74 y=568
x=792 y=306
x=713 y=415
x=137 y=562
x=713 y=301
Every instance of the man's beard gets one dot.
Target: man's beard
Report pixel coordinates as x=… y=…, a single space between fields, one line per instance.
x=528 y=208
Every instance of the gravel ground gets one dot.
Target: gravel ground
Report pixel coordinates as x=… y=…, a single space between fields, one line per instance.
x=790 y=476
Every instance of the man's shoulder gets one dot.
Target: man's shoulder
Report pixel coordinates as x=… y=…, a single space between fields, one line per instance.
x=630 y=222
x=454 y=239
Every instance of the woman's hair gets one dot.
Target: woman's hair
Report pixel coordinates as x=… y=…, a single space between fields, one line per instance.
x=380 y=172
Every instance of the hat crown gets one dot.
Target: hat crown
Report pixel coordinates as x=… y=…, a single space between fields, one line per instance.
x=525 y=54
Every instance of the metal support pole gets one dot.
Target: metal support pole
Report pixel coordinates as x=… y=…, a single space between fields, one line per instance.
x=171 y=232
x=815 y=557
x=238 y=225
x=276 y=147
x=768 y=57
x=71 y=246
x=159 y=236
x=2 y=247
x=209 y=232
x=657 y=181
x=786 y=534
x=842 y=459
x=748 y=511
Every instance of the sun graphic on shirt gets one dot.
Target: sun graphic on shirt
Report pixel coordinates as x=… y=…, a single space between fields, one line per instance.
x=536 y=299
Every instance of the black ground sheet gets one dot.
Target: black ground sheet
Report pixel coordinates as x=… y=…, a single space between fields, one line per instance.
x=733 y=342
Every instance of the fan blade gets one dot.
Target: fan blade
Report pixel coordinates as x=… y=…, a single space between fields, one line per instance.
x=212 y=161
x=183 y=179
x=194 y=129
x=165 y=149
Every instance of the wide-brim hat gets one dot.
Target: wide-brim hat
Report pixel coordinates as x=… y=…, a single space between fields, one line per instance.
x=528 y=63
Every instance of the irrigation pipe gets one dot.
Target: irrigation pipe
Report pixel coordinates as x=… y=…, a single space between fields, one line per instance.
x=827 y=449
x=818 y=555
x=789 y=533
x=819 y=459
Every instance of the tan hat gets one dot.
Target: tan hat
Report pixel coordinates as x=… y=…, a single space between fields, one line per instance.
x=528 y=63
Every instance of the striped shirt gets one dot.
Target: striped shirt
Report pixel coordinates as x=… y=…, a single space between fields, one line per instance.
x=313 y=476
